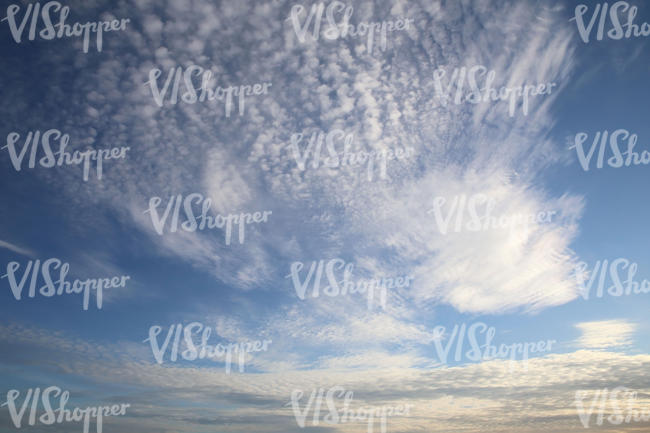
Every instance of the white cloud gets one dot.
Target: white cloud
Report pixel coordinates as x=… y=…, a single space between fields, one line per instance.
x=606 y=334
x=443 y=397
x=16 y=249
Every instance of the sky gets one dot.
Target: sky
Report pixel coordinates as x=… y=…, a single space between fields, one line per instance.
x=520 y=281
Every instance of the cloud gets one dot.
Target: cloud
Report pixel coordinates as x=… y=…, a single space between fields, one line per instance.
x=454 y=398
x=606 y=334
x=386 y=100
x=16 y=249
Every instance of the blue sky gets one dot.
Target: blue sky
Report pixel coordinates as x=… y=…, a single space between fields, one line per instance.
x=522 y=283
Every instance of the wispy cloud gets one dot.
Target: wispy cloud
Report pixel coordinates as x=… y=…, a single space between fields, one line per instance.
x=16 y=249
x=606 y=334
